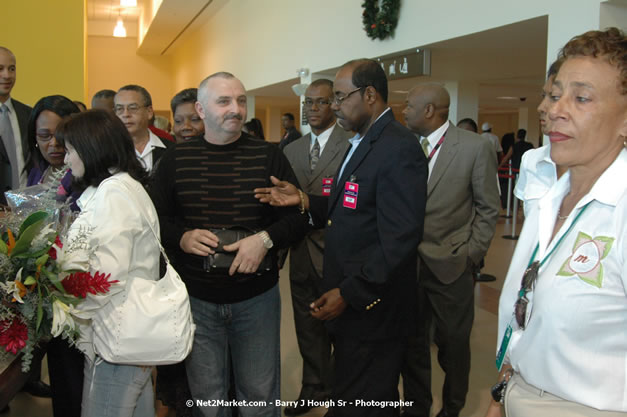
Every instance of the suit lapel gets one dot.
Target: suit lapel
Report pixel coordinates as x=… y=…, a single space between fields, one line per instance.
x=445 y=157
x=358 y=156
x=328 y=153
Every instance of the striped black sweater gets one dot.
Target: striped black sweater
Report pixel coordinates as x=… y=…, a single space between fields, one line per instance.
x=198 y=185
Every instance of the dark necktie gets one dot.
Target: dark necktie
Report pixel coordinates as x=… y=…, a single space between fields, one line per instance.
x=314 y=155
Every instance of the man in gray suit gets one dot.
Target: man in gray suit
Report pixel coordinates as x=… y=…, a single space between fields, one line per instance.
x=315 y=159
x=461 y=214
x=13 y=124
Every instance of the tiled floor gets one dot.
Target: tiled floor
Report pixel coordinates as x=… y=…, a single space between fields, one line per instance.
x=483 y=341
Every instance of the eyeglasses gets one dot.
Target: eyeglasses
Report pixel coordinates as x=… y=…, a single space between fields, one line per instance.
x=319 y=102
x=526 y=285
x=131 y=108
x=339 y=100
x=44 y=136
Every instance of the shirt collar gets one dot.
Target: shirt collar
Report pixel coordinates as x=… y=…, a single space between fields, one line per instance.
x=322 y=138
x=608 y=189
x=9 y=105
x=436 y=135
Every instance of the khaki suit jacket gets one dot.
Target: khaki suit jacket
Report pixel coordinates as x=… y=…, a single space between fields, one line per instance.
x=462 y=205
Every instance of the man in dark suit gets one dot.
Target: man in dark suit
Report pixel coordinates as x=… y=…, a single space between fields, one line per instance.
x=461 y=214
x=133 y=105
x=374 y=220
x=315 y=158
x=13 y=125
x=291 y=133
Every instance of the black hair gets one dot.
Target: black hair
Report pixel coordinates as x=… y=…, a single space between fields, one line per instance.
x=289 y=116
x=470 y=122
x=138 y=89
x=104 y=94
x=189 y=95
x=368 y=73
x=59 y=105
x=255 y=128
x=320 y=82
x=521 y=133
x=103 y=144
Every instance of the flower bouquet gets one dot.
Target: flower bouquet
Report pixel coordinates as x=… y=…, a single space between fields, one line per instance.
x=41 y=289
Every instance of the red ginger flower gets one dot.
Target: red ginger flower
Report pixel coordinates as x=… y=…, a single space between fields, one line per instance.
x=53 y=252
x=80 y=283
x=13 y=335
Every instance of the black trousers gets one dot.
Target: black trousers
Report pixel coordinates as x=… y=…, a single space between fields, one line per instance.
x=313 y=339
x=451 y=308
x=366 y=371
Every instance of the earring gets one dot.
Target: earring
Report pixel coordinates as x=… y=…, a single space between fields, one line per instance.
x=36 y=145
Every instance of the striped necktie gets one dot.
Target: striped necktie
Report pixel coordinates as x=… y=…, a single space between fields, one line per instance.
x=314 y=155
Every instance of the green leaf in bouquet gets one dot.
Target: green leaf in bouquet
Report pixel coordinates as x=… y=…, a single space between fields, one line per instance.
x=37 y=216
x=52 y=277
x=30 y=280
x=40 y=316
x=42 y=260
x=26 y=237
x=4 y=249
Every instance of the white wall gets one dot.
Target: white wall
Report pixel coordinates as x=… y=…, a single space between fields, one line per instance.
x=279 y=36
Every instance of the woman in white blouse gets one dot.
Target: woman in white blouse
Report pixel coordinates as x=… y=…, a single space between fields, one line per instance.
x=563 y=308
x=115 y=230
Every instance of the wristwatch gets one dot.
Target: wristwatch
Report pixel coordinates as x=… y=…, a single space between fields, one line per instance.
x=267 y=242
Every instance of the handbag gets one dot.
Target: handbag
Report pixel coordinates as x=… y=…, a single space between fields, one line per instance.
x=220 y=261
x=151 y=324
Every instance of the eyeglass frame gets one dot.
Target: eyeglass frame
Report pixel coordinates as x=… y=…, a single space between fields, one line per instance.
x=127 y=108
x=339 y=100
x=527 y=283
x=320 y=102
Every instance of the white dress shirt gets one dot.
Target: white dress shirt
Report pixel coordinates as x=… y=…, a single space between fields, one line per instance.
x=323 y=138
x=17 y=136
x=146 y=156
x=537 y=175
x=575 y=342
x=112 y=236
x=433 y=139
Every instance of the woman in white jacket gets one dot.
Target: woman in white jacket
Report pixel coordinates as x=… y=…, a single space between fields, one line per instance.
x=113 y=235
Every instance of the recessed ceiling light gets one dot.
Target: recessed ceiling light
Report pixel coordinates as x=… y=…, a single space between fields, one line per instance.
x=507 y=98
x=128 y=3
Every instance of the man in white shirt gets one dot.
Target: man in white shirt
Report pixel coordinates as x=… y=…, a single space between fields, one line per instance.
x=315 y=159
x=13 y=125
x=494 y=140
x=460 y=218
x=133 y=105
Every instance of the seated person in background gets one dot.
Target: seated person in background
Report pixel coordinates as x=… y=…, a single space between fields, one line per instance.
x=187 y=122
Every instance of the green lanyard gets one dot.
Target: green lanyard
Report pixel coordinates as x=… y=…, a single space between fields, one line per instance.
x=535 y=251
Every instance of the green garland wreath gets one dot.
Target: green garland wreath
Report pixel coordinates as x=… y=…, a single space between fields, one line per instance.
x=380 y=23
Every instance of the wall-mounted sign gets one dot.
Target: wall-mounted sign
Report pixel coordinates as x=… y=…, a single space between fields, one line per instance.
x=411 y=63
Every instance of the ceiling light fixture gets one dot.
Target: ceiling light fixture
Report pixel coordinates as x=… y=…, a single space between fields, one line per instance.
x=128 y=3
x=119 y=31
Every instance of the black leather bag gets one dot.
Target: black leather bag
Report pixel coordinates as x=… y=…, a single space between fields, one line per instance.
x=220 y=262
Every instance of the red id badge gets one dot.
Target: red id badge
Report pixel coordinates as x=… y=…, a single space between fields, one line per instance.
x=326 y=186
x=350 y=195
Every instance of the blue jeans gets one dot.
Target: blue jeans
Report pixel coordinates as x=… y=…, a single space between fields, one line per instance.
x=111 y=390
x=251 y=329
